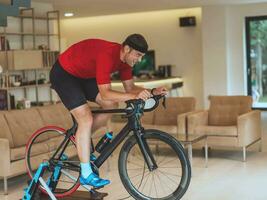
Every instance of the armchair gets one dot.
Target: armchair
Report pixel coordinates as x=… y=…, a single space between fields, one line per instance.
x=230 y=121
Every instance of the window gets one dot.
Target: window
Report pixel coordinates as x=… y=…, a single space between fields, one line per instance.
x=256 y=42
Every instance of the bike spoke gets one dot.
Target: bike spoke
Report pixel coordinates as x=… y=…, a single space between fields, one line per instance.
x=146 y=181
x=150 y=188
x=169 y=178
x=168 y=161
x=143 y=177
x=170 y=189
x=162 y=186
x=171 y=167
x=137 y=175
x=171 y=174
x=139 y=156
x=135 y=164
x=155 y=186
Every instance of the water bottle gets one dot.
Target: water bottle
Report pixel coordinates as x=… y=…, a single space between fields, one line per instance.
x=103 y=142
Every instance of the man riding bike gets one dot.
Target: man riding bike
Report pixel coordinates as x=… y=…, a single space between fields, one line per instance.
x=82 y=73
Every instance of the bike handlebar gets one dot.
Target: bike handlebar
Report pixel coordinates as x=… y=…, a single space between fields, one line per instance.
x=132 y=106
x=140 y=104
x=157 y=98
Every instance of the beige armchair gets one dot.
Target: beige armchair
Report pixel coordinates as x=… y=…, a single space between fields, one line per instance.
x=228 y=122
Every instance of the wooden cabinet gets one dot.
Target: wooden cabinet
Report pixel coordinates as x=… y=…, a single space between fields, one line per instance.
x=24 y=59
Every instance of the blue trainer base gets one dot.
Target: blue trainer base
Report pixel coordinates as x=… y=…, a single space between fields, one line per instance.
x=35 y=182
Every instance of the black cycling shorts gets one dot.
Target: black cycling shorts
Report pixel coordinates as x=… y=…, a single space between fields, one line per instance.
x=72 y=91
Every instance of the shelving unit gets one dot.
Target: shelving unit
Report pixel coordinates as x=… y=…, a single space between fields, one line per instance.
x=32 y=33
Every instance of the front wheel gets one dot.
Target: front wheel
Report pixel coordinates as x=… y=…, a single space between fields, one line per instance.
x=171 y=178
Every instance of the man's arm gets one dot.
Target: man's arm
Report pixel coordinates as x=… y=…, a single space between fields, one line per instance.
x=130 y=87
x=108 y=94
x=132 y=92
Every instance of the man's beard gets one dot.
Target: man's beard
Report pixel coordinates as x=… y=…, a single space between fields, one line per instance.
x=130 y=63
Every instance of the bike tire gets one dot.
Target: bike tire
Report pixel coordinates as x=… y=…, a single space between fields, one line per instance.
x=177 y=150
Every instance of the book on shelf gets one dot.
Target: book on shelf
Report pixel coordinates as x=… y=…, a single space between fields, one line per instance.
x=49 y=58
x=4 y=43
x=3 y=100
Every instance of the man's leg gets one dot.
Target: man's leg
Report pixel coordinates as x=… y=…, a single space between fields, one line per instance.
x=71 y=91
x=101 y=119
x=84 y=118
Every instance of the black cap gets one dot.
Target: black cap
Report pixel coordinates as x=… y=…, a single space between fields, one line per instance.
x=137 y=42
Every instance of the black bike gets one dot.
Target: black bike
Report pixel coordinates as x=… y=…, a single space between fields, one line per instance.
x=152 y=164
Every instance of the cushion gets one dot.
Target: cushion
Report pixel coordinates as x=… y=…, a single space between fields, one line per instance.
x=19 y=152
x=56 y=115
x=174 y=107
x=5 y=131
x=216 y=130
x=224 y=110
x=165 y=128
x=22 y=124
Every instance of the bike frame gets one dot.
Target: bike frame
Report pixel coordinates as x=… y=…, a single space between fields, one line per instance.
x=133 y=125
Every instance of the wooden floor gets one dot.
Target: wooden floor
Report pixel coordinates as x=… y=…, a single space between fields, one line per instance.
x=79 y=195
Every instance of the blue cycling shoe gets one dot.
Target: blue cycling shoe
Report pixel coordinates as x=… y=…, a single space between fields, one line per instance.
x=92 y=157
x=94 y=181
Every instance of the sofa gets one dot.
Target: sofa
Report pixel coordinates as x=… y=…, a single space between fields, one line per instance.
x=229 y=122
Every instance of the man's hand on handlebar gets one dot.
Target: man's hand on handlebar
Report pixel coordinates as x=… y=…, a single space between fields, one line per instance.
x=134 y=104
x=159 y=91
x=144 y=95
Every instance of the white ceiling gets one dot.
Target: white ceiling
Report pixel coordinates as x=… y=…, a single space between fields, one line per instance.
x=82 y=8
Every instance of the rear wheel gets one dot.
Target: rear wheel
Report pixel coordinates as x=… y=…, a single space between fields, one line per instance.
x=169 y=181
x=63 y=173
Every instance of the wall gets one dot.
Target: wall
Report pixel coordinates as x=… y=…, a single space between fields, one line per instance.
x=214 y=51
x=224 y=56
x=173 y=45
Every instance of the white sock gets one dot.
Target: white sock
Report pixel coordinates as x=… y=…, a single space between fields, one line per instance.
x=86 y=169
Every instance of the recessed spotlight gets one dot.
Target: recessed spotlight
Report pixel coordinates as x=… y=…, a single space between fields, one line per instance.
x=69 y=14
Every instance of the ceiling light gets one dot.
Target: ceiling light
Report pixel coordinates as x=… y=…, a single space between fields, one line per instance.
x=68 y=14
